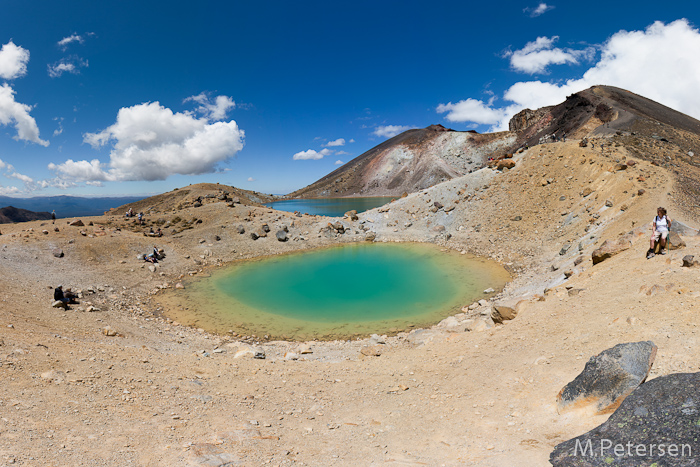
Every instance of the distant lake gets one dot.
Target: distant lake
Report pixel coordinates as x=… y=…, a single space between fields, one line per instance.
x=333 y=207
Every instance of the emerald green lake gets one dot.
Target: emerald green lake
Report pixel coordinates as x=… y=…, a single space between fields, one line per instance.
x=333 y=207
x=338 y=292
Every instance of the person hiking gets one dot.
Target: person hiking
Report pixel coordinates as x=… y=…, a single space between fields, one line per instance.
x=53 y=216
x=661 y=225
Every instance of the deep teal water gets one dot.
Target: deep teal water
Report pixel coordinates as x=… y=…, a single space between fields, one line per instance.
x=339 y=292
x=333 y=207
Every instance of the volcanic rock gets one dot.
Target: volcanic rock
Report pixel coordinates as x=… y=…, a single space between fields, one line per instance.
x=655 y=425
x=608 y=378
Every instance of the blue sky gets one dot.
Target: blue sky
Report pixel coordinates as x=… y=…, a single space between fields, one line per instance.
x=106 y=98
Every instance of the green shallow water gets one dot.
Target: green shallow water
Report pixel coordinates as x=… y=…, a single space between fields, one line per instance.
x=337 y=292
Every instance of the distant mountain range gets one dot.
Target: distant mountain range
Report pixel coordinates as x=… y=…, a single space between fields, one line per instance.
x=68 y=206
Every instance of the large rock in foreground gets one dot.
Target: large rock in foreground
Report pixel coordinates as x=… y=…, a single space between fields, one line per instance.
x=609 y=249
x=608 y=378
x=657 y=425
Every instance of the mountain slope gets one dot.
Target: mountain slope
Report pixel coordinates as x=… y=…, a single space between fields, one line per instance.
x=411 y=161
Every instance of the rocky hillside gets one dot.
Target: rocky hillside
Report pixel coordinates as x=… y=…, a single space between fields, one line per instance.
x=411 y=161
x=11 y=214
x=194 y=196
x=417 y=159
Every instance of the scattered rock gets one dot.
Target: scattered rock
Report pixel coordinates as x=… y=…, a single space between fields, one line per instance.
x=371 y=350
x=281 y=235
x=505 y=164
x=240 y=229
x=58 y=253
x=370 y=236
x=661 y=412
x=641 y=191
x=500 y=313
x=609 y=249
x=688 y=261
x=609 y=203
x=77 y=223
x=564 y=249
x=674 y=241
x=586 y=191
x=305 y=349
x=608 y=378
x=254 y=235
x=108 y=331
x=352 y=215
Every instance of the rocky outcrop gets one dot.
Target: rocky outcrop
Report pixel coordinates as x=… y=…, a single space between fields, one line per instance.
x=656 y=425
x=608 y=378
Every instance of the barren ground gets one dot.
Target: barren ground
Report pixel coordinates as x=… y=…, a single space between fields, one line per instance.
x=164 y=394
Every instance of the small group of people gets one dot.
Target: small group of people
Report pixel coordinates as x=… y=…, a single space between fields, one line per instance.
x=129 y=213
x=661 y=225
x=65 y=298
x=155 y=255
x=157 y=233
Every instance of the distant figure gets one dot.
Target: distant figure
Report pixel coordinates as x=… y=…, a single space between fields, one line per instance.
x=660 y=228
x=53 y=217
x=141 y=218
x=65 y=298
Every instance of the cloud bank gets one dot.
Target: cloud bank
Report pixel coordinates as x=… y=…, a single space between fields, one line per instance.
x=151 y=142
x=659 y=63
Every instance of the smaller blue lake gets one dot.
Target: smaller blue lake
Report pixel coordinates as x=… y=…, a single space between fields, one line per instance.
x=332 y=207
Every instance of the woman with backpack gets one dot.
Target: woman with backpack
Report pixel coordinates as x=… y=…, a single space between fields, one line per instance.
x=661 y=225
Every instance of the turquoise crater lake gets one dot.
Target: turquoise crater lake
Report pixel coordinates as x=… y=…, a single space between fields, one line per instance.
x=332 y=207
x=337 y=292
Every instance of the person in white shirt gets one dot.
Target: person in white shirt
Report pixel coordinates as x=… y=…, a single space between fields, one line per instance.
x=661 y=225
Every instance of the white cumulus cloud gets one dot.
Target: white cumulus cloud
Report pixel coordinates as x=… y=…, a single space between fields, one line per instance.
x=13 y=112
x=472 y=110
x=536 y=56
x=337 y=142
x=66 y=65
x=389 y=131
x=8 y=190
x=311 y=154
x=251 y=179
x=659 y=63
x=213 y=110
x=151 y=142
x=13 y=61
x=339 y=162
x=540 y=9
x=63 y=43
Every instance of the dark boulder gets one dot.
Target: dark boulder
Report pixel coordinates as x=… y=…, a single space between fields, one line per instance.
x=656 y=425
x=281 y=235
x=608 y=378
